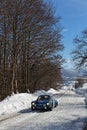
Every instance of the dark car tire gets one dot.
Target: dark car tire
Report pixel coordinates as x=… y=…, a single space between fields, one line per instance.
x=56 y=104
x=32 y=108
x=51 y=108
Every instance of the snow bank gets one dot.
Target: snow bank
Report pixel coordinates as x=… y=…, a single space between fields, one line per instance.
x=39 y=92
x=83 y=91
x=15 y=103
x=52 y=91
x=69 y=87
x=86 y=100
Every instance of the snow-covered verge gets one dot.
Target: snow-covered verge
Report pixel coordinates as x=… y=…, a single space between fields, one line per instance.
x=86 y=100
x=15 y=102
x=83 y=91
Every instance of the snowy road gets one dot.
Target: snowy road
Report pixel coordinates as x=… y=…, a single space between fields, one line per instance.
x=69 y=115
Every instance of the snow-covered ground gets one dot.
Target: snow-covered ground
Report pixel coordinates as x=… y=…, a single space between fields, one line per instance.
x=15 y=112
x=83 y=91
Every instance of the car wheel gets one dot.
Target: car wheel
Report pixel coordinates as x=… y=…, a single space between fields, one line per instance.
x=51 y=108
x=55 y=105
x=32 y=108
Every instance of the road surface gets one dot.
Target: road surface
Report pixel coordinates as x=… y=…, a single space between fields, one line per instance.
x=69 y=115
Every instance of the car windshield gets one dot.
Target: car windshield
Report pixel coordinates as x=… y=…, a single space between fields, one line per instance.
x=44 y=97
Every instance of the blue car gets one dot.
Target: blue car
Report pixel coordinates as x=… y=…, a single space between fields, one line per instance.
x=44 y=102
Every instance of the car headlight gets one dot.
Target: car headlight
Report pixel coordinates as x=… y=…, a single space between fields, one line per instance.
x=33 y=103
x=48 y=103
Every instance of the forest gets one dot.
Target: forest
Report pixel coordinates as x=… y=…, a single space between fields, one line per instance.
x=30 y=46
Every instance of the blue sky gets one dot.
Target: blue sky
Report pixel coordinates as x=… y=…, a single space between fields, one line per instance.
x=74 y=19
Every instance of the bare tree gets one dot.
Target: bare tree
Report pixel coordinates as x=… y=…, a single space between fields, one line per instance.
x=30 y=35
x=80 y=51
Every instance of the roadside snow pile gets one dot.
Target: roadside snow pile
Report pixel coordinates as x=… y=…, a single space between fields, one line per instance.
x=52 y=91
x=69 y=87
x=39 y=92
x=83 y=91
x=86 y=100
x=15 y=103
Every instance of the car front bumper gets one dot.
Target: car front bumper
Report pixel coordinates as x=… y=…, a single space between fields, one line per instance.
x=41 y=107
